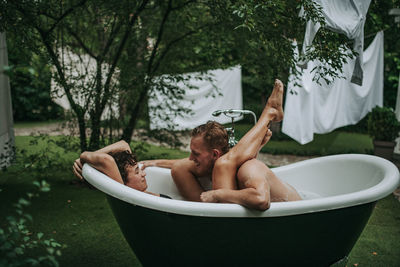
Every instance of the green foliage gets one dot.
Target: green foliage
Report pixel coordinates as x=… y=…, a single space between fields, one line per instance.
x=49 y=154
x=145 y=151
x=30 y=78
x=130 y=43
x=383 y=124
x=134 y=42
x=18 y=245
x=337 y=142
x=377 y=20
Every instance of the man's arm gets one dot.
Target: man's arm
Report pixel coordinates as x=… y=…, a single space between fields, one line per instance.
x=163 y=163
x=256 y=195
x=102 y=162
x=185 y=180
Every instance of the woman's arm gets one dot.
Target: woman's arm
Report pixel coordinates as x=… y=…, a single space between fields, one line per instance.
x=115 y=147
x=102 y=162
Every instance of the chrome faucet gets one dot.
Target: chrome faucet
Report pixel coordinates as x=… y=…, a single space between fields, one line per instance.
x=233 y=113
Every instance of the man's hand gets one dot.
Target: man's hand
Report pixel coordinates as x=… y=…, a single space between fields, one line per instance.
x=77 y=169
x=163 y=163
x=147 y=163
x=209 y=196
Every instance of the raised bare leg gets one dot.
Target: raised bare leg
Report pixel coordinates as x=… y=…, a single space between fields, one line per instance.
x=224 y=172
x=250 y=144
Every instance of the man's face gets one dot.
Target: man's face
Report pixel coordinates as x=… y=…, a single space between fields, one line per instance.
x=136 y=178
x=201 y=155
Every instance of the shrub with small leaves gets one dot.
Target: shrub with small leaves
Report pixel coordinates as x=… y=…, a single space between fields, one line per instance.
x=17 y=242
x=383 y=124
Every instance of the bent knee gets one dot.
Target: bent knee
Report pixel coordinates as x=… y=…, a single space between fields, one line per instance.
x=224 y=163
x=253 y=166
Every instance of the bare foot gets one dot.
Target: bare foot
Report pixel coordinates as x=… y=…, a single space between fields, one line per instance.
x=275 y=101
x=209 y=196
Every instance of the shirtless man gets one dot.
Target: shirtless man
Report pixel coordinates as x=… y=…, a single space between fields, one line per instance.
x=237 y=176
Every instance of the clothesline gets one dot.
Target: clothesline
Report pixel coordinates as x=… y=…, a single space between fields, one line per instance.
x=374 y=34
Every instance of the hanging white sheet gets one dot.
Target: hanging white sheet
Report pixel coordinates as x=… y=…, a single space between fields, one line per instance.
x=346 y=17
x=6 y=118
x=397 y=111
x=200 y=100
x=323 y=108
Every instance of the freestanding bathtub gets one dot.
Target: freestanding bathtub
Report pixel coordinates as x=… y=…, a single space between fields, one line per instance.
x=319 y=231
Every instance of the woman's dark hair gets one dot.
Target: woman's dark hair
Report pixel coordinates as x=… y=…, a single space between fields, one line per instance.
x=123 y=159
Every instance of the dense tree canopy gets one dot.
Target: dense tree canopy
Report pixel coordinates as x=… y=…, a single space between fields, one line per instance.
x=131 y=43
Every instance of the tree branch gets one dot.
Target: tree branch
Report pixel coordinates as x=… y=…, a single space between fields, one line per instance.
x=120 y=49
x=159 y=36
x=111 y=38
x=170 y=44
x=80 y=42
x=183 y=5
x=66 y=13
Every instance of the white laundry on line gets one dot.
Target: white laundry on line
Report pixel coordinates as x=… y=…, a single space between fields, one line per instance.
x=323 y=108
x=200 y=100
x=343 y=16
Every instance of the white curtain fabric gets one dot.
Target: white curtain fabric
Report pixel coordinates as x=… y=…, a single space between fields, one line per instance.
x=6 y=118
x=313 y=108
x=200 y=100
x=397 y=111
x=346 y=17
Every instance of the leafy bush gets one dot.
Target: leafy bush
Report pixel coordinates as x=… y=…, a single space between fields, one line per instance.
x=383 y=124
x=30 y=90
x=18 y=245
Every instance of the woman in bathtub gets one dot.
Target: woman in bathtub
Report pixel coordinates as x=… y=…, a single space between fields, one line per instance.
x=117 y=162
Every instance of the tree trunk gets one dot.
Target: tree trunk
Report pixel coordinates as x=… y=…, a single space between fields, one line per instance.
x=128 y=131
x=82 y=132
x=95 y=135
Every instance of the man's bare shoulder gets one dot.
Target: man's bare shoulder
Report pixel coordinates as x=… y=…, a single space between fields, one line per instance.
x=184 y=165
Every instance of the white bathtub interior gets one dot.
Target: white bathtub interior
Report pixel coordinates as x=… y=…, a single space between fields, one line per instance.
x=332 y=177
x=313 y=179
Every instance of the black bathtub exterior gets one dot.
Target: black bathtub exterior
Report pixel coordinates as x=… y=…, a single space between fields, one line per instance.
x=313 y=239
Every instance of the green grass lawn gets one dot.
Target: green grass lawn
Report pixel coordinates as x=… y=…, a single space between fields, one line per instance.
x=337 y=142
x=30 y=124
x=81 y=219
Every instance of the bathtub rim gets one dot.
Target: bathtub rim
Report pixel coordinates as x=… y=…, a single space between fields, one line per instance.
x=135 y=197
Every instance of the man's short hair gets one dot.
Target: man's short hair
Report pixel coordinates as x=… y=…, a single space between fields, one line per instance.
x=123 y=159
x=214 y=134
